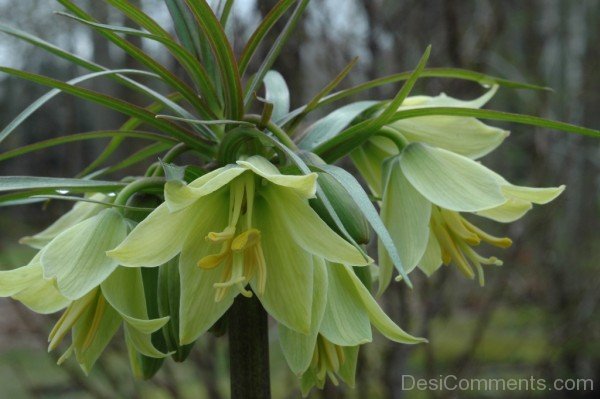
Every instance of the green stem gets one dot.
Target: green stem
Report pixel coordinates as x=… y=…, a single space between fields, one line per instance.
x=249 y=349
x=273 y=128
x=394 y=135
x=137 y=185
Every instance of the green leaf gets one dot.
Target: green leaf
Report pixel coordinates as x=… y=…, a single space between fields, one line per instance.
x=277 y=93
x=77 y=258
x=261 y=31
x=188 y=33
x=10 y=183
x=357 y=134
x=497 y=116
x=361 y=199
x=41 y=145
x=187 y=60
x=119 y=105
x=448 y=73
x=331 y=125
x=172 y=80
x=273 y=53
x=230 y=77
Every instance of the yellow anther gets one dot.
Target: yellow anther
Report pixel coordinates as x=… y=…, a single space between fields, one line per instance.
x=502 y=242
x=224 y=235
x=247 y=239
x=211 y=261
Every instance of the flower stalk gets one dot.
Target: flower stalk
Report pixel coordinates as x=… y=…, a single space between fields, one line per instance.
x=248 y=349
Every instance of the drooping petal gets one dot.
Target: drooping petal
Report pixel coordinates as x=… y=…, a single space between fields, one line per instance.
x=298 y=348
x=347 y=371
x=442 y=100
x=305 y=228
x=432 y=258
x=77 y=256
x=198 y=310
x=178 y=195
x=377 y=316
x=405 y=213
x=16 y=280
x=462 y=135
x=124 y=291
x=93 y=332
x=511 y=210
x=450 y=180
x=289 y=285
x=142 y=342
x=305 y=185
x=81 y=210
x=536 y=195
x=346 y=321
x=158 y=238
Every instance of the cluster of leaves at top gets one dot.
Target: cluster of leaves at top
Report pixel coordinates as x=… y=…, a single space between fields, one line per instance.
x=263 y=211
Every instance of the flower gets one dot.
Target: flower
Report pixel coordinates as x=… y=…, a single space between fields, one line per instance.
x=343 y=311
x=425 y=190
x=72 y=272
x=238 y=225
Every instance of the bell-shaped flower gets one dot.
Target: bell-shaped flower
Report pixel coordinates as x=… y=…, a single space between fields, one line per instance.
x=94 y=318
x=462 y=135
x=243 y=224
x=426 y=188
x=343 y=311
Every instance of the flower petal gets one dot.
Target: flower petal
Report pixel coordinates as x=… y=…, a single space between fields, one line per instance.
x=510 y=211
x=450 y=180
x=305 y=227
x=377 y=316
x=178 y=195
x=77 y=256
x=346 y=321
x=369 y=159
x=289 y=286
x=198 y=310
x=462 y=135
x=142 y=342
x=405 y=213
x=14 y=281
x=89 y=344
x=537 y=195
x=432 y=258
x=157 y=239
x=347 y=371
x=81 y=210
x=298 y=348
x=305 y=185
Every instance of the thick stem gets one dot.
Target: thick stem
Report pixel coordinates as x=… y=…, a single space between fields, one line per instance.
x=249 y=349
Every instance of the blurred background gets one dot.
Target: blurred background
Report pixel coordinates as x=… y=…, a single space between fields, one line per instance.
x=537 y=316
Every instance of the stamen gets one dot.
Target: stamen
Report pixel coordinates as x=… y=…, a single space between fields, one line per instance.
x=448 y=244
x=224 y=235
x=98 y=314
x=212 y=261
x=247 y=239
x=502 y=242
x=455 y=223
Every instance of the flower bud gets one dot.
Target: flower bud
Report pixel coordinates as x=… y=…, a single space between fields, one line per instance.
x=349 y=213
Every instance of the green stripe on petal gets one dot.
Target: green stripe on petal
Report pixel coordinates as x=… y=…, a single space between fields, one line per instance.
x=77 y=256
x=378 y=318
x=305 y=185
x=306 y=228
x=298 y=349
x=157 y=239
x=450 y=180
x=405 y=213
x=346 y=321
x=198 y=310
x=289 y=285
x=179 y=196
